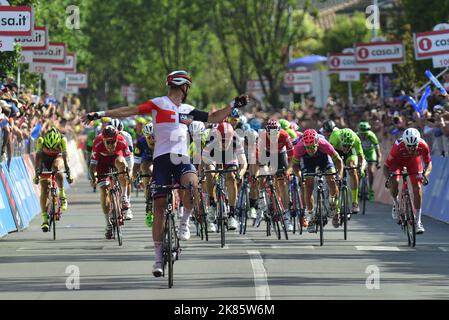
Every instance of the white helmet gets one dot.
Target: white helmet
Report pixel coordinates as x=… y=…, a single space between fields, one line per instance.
x=178 y=78
x=252 y=135
x=115 y=123
x=196 y=126
x=411 y=137
x=148 y=129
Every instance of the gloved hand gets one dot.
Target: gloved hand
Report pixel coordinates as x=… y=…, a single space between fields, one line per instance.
x=241 y=101
x=69 y=176
x=87 y=118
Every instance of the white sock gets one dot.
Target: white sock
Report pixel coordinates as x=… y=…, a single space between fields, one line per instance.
x=106 y=219
x=158 y=250
x=396 y=201
x=418 y=214
x=186 y=216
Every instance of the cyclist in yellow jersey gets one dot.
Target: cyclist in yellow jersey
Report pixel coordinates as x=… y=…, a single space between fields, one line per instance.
x=51 y=155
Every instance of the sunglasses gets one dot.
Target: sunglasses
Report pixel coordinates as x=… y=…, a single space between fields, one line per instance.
x=110 y=142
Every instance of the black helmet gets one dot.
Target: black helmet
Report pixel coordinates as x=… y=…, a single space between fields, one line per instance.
x=328 y=125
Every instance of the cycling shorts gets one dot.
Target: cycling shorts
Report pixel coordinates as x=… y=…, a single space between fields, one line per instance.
x=47 y=161
x=413 y=165
x=164 y=169
x=323 y=161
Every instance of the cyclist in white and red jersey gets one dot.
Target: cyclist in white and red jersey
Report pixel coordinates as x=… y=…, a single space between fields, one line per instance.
x=315 y=152
x=407 y=152
x=110 y=150
x=229 y=152
x=170 y=119
x=276 y=145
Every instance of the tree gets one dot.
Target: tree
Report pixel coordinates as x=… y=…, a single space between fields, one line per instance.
x=265 y=30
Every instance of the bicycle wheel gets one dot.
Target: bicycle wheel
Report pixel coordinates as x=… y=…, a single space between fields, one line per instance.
x=169 y=254
x=410 y=222
x=246 y=208
x=53 y=217
x=344 y=209
x=221 y=221
x=280 y=217
x=319 y=216
x=364 y=191
x=203 y=215
x=115 y=216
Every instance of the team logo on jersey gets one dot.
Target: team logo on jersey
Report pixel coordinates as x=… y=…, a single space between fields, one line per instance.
x=185 y=119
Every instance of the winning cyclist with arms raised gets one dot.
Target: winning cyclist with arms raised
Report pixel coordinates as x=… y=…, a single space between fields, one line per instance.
x=170 y=118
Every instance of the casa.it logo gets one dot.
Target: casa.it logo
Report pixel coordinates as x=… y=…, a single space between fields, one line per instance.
x=335 y=62
x=363 y=53
x=425 y=44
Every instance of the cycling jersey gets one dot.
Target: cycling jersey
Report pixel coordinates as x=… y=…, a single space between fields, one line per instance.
x=128 y=139
x=143 y=152
x=322 y=157
x=60 y=149
x=369 y=143
x=229 y=156
x=336 y=142
x=284 y=143
x=170 y=124
x=400 y=157
x=99 y=151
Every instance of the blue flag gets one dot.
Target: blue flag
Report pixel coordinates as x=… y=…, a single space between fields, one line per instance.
x=422 y=105
x=435 y=82
x=36 y=131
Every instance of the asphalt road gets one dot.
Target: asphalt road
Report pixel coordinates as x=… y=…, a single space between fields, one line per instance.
x=374 y=263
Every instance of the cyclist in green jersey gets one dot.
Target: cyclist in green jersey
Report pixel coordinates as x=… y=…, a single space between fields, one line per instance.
x=349 y=146
x=371 y=150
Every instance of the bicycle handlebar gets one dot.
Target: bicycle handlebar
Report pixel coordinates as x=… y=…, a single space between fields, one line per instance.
x=111 y=174
x=221 y=171
x=170 y=187
x=319 y=174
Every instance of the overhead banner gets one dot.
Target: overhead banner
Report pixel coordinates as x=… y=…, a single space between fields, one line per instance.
x=16 y=21
x=70 y=65
x=38 y=41
x=429 y=44
x=379 y=52
x=56 y=54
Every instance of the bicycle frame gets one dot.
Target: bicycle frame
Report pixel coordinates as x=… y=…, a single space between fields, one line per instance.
x=54 y=206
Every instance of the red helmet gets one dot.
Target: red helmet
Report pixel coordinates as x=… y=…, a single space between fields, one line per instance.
x=178 y=78
x=226 y=130
x=273 y=124
x=310 y=137
x=110 y=133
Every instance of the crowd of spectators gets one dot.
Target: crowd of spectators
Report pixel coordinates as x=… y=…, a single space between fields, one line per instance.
x=389 y=117
x=24 y=116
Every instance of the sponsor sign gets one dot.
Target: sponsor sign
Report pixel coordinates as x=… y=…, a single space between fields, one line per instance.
x=429 y=44
x=6 y=44
x=302 y=88
x=77 y=79
x=440 y=61
x=380 y=68
x=38 y=41
x=70 y=65
x=297 y=78
x=344 y=62
x=376 y=52
x=56 y=54
x=16 y=21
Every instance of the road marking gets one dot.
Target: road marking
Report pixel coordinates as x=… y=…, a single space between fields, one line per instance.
x=260 y=276
x=291 y=247
x=377 y=248
x=444 y=249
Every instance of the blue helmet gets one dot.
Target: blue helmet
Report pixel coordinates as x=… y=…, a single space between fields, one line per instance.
x=235 y=113
x=256 y=124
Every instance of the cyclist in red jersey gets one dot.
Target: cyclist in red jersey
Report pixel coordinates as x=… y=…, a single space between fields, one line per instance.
x=110 y=150
x=275 y=149
x=407 y=152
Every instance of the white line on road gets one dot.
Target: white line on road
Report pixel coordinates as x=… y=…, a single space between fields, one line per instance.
x=260 y=276
x=377 y=248
x=444 y=249
x=291 y=247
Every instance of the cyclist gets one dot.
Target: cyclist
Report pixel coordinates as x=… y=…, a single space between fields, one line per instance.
x=328 y=128
x=90 y=141
x=198 y=138
x=286 y=125
x=170 y=118
x=51 y=155
x=250 y=146
x=348 y=145
x=371 y=150
x=275 y=137
x=110 y=150
x=226 y=149
x=315 y=151
x=118 y=124
x=407 y=152
x=144 y=161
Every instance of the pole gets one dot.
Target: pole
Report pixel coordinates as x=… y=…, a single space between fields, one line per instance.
x=18 y=76
x=350 y=98
x=40 y=86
